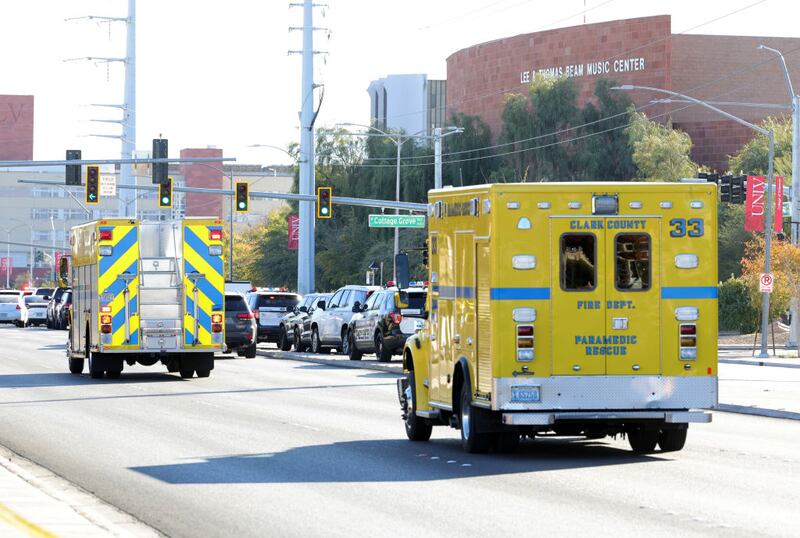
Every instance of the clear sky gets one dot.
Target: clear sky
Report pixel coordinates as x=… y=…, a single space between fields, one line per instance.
x=218 y=73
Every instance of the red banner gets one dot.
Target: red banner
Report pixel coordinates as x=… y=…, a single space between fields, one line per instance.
x=5 y=265
x=756 y=201
x=294 y=231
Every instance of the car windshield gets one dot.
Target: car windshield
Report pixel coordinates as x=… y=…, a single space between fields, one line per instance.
x=283 y=301
x=235 y=303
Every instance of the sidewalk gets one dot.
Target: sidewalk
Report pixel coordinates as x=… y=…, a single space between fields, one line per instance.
x=768 y=387
x=37 y=503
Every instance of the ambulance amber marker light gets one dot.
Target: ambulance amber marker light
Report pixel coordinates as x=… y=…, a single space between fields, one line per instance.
x=216 y=318
x=105 y=320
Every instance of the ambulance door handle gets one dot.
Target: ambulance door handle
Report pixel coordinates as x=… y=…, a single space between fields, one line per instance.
x=469 y=341
x=457 y=339
x=433 y=337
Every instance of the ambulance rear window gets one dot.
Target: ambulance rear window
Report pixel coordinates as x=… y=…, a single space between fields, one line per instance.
x=578 y=262
x=632 y=253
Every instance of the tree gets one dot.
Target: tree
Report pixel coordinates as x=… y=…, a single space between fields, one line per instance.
x=262 y=253
x=753 y=158
x=731 y=240
x=785 y=267
x=465 y=161
x=660 y=152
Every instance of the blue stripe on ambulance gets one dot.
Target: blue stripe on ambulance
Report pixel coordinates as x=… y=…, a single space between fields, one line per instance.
x=202 y=249
x=121 y=247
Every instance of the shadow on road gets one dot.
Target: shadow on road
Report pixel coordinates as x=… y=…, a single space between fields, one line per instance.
x=389 y=460
x=16 y=381
x=61 y=347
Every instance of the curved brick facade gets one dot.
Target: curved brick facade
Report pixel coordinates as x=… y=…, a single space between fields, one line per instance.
x=639 y=51
x=16 y=127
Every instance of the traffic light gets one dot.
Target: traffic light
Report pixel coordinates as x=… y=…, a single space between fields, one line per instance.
x=242 y=196
x=425 y=257
x=737 y=189
x=324 y=206
x=725 y=188
x=160 y=170
x=92 y=184
x=73 y=171
x=165 y=194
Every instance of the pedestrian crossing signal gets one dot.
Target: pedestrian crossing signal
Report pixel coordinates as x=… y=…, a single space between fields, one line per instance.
x=165 y=194
x=242 y=196
x=324 y=205
x=92 y=184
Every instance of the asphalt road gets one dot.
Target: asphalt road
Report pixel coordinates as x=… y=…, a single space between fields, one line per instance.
x=273 y=447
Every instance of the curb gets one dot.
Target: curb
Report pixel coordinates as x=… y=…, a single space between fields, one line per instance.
x=340 y=363
x=741 y=347
x=751 y=362
x=758 y=411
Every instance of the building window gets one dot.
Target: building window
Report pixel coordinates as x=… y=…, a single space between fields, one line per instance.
x=43 y=213
x=46 y=192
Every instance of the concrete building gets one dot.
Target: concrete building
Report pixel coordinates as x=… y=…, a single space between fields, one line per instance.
x=410 y=103
x=641 y=51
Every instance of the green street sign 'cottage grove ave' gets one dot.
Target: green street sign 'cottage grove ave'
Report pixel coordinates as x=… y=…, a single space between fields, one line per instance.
x=397 y=221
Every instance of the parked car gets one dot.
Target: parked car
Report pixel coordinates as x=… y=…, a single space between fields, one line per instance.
x=329 y=329
x=33 y=310
x=64 y=312
x=292 y=320
x=240 y=326
x=52 y=306
x=269 y=307
x=9 y=306
x=382 y=325
x=302 y=331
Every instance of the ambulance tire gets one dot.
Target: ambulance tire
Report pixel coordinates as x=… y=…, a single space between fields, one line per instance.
x=472 y=441
x=76 y=366
x=203 y=372
x=186 y=371
x=416 y=427
x=96 y=369
x=643 y=440
x=672 y=440
x=114 y=374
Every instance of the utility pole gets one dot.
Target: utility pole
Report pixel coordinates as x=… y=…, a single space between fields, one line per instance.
x=437 y=152
x=127 y=199
x=305 y=249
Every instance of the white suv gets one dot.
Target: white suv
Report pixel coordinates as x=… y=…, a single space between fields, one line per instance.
x=329 y=326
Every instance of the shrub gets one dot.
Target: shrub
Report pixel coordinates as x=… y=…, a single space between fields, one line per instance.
x=736 y=310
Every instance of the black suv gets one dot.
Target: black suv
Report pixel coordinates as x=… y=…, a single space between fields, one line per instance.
x=240 y=326
x=53 y=307
x=269 y=307
x=382 y=327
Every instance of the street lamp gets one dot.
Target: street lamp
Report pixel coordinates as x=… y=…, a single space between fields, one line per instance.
x=8 y=250
x=399 y=139
x=794 y=337
x=767 y=210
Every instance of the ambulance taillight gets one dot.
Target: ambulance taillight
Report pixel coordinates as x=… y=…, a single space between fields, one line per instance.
x=106 y=235
x=105 y=324
x=524 y=342
x=216 y=323
x=688 y=341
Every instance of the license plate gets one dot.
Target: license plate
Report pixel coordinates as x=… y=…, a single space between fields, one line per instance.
x=525 y=394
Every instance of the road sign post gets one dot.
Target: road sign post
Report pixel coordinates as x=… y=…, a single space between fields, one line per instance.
x=396 y=221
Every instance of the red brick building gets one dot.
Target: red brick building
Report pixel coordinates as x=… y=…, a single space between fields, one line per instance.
x=642 y=52
x=206 y=175
x=16 y=127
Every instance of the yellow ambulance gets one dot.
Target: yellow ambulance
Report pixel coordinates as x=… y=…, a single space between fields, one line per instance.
x=575 y=309
x=147 y=292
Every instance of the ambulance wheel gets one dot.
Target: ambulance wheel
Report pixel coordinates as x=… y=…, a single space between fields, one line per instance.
x=350 y=348
x=113 y=374
x=672 y=440
x=76 y=366
x=506 y=442
x=203 y=372
x=643 y=440
x=416 y=428
x=96 y=370
x=186 y=371
x=472 y=441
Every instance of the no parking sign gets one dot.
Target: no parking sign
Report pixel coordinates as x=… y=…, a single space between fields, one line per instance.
x=765 y=282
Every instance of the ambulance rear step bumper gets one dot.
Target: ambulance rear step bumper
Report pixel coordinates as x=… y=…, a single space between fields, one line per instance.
x=544 y=419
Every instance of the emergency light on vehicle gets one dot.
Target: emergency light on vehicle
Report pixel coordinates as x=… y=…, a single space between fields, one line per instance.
x=105 y=309
x=105 y=324
x=688 y=341
x=215 y=235
x=106 y=235
x=605 y=205
x=524 y=342
x=216 y=323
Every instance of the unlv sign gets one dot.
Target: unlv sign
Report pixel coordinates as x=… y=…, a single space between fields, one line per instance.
x=756 y=201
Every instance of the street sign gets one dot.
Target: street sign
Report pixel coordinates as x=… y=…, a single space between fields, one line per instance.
x=765 y=282
x=108 y=186
x=397 y=221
